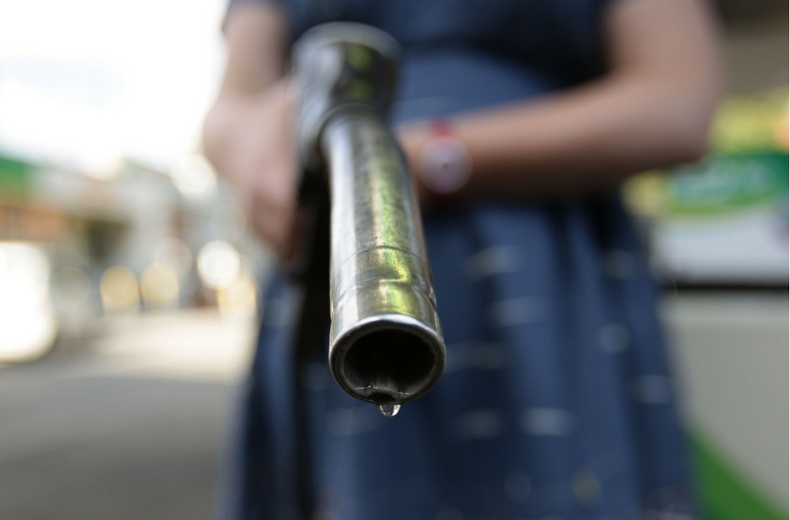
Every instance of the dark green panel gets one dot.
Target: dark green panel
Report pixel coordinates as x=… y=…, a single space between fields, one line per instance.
x=723 y=494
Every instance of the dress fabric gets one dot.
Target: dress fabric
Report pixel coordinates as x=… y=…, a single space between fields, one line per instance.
x=555 y=402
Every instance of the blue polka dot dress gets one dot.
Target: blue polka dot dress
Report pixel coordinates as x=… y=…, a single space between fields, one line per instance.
x=555 y=402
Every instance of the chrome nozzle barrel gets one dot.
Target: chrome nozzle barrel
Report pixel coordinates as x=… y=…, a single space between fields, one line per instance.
x=386 y=345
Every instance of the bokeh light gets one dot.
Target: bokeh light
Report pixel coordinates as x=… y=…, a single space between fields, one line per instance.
x=194 y=176
x=218 y=264
x=238 y=298
x=159 y=285
x=119 y=290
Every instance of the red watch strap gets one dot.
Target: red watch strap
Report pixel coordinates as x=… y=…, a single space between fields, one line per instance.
x=441 y=128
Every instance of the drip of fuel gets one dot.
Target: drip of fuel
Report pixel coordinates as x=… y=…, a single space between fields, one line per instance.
x=389 y=410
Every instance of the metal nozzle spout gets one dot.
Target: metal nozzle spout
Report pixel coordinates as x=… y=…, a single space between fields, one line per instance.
x=385 y=361
x=382 y=356
x=386 y=345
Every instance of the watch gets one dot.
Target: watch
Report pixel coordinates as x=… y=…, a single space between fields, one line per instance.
x=444 y=163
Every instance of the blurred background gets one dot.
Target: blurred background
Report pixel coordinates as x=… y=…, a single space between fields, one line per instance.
x=128 y=278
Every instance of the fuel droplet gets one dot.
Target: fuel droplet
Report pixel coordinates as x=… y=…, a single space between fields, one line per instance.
x=389 y=410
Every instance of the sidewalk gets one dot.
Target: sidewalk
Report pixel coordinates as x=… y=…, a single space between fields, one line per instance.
x=124 y=427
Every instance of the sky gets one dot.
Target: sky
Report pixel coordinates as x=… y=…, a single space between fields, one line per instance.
x=86 y=82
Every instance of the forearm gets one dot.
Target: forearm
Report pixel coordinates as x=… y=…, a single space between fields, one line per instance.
x=651 y=110
x=257 y=46
x=584 y=139
x=580 y=141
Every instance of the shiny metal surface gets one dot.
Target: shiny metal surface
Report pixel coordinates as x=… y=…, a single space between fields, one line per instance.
x=386 y=344
x=340 y=66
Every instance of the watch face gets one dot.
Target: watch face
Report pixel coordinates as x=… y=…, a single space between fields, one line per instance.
x=445 y=165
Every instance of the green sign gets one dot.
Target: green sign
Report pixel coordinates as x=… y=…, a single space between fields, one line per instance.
x=14 y=179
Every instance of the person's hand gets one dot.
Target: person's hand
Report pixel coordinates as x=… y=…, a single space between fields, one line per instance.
x=253 y=148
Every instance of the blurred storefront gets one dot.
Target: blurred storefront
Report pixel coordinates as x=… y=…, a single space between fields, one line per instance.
x=133 y=240
x=723 y=221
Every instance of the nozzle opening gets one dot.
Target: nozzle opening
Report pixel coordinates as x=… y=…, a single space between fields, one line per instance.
x=389 y=366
